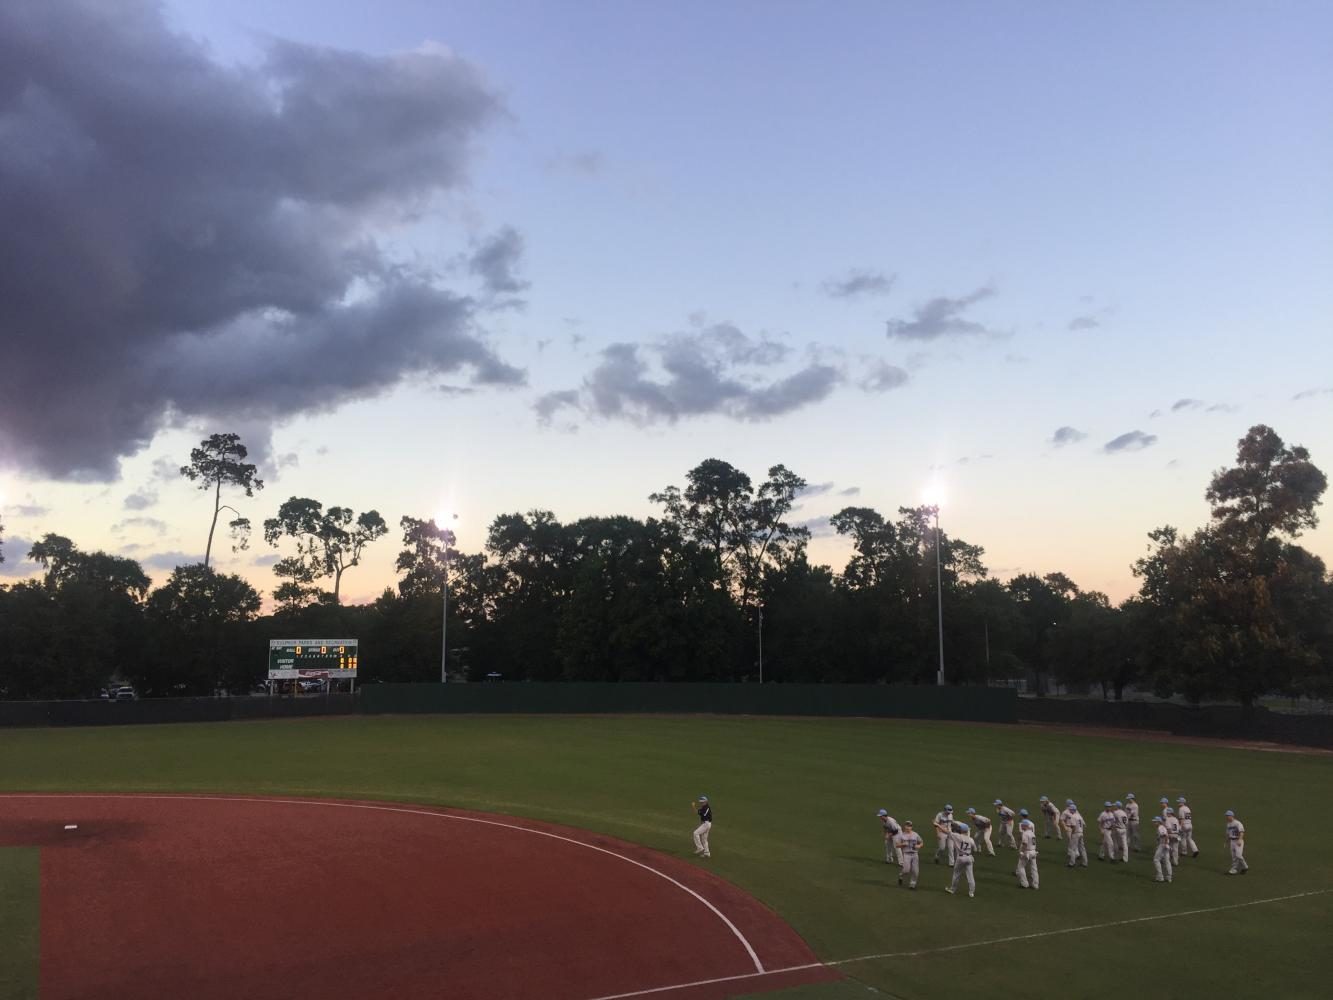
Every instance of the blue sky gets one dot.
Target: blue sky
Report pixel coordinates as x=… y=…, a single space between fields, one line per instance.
x=1116 y=211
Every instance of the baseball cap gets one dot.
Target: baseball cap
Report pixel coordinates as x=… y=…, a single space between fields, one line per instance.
x=999 y=802
x=948 y=808
x=703 y=798
x=1168 y=811
x=1118 y=802
x=1164 y=799
x=1069 y=802
x=1026 y=822
x=1157 y=819
x=971 y=811
x=1106 y=804
x=1130 y=795
x=1181 y=799
x=1230 y=813
x=907 y=822
x=1022 y=812
x=1044 y=798
x=882 y=812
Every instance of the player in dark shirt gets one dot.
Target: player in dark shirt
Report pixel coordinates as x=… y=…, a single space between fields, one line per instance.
x=705 y=811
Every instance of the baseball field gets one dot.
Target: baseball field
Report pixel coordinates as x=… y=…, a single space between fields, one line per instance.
x=795 y=828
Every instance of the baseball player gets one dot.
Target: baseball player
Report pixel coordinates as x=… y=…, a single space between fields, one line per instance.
x=982 y=826
x=1106 y=823
x=1187 y=844
x=1121 y=830
x=963 y=847
x=1161 y=859
x=1172 y=823
x=1077 y=849
x=909 y=844
x=705 y=812
x=891 y=830
x=1006 y=824
x=1050 y=816
x=1027 y=855
x=1236 y=841
x=1132 y=807
x=943 y=823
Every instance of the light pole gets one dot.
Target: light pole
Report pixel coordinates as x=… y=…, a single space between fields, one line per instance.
x=939 y=595
x=934 y=497
x=446 y=537
x=761 y=644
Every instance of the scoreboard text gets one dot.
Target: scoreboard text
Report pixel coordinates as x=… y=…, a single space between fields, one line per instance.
x=290 y=659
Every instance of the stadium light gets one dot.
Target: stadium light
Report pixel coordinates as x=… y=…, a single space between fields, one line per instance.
x=442 y=521
x=934 y=496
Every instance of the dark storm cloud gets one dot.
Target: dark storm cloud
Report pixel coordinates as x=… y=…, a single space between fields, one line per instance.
x=141 y=499
x=1066 y=435
x=701 y=372
x=190 y=241
x=819 y=527
x=15 y=551
x=941 y=317
x=496 y=262
x=882 y=377
x=1132 y=441
x=858 y=283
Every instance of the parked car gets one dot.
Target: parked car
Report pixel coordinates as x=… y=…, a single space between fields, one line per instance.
x=310 y=685
x=125 y=693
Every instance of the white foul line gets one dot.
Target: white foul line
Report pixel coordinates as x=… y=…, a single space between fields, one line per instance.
x=759 y=966
x=960 y=947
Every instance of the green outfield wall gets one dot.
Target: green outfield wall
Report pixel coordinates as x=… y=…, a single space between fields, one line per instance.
x=970 y=704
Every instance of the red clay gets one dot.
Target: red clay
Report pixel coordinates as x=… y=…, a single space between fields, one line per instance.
x=217 y=898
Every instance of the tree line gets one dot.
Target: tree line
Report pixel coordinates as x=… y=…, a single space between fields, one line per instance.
x=1235 y=610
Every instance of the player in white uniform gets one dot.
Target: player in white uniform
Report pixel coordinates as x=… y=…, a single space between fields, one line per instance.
x=1132 y=807
x=1077 y=849
x=891 y=830
x=1121 y=830
x=963 y=848
x=1106 y=824
x=1027 y=855
x=1050 y=816
x=1236 y=841
x=943 y=823
x=982 y=826
x=1006 y=821
x=1161 y=859
x=1172 y=824
x=909 y=844
x=1187 y=844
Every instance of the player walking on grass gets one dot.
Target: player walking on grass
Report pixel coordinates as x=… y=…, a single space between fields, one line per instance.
x=1132 y=807
x=1050 y=818
x=1187 y=844
x=1077 y=849
x=943 y=822
x=1161 y=859
x=1121 y=830
x=1106 y=823
x=1027 y=855
x=963 y=848
x=1173 y=827
x=1236 y=842
x=891 y=831
x=909 y=844
x=1006 y=821
x=982 y=825
x=701 y=831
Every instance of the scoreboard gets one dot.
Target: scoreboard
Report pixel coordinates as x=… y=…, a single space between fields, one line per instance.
x=298 y=659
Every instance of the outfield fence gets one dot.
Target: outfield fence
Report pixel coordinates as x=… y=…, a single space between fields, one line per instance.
x=1217 y=721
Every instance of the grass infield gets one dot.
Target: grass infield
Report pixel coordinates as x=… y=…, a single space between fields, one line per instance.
x=795 y=802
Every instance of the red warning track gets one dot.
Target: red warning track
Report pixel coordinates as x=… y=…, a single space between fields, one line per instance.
x=216 y=898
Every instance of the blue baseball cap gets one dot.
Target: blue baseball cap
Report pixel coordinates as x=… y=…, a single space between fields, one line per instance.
x=1069 y=802
x=948 y=808
x=1022 y=812
x=1118 y=802
x=1181 y=799
x=1130 y=795
x=971 y=811
x=1157 y=819
x=1230 y=813
x=1044 y=798
x=1106 y=804
x=882 y=812
x=703 y=798
x=999 y=802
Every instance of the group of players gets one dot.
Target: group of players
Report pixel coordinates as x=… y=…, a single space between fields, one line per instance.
x=959 y=841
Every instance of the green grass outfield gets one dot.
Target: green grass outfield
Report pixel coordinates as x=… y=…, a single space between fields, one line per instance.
x=795 y=802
